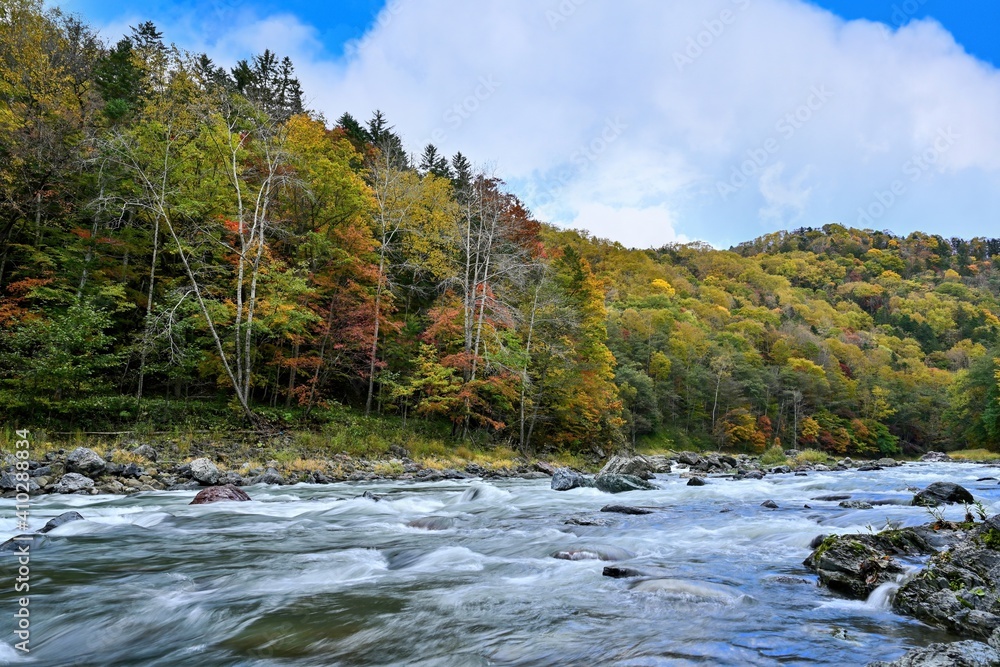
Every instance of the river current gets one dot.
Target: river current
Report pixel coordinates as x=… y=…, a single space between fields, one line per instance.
x=455 y=574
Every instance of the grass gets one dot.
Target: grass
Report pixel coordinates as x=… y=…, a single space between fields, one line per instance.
x=812 y=456
x=975 y=455
x=775 y=456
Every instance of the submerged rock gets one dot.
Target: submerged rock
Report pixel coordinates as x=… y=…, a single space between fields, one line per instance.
x=617 y=572
x=593 y=553
x=586 y=521
x=942 y=492
x=432 y=523
x=65 y=517
x=216 y=494
x=699 y=589
x=769 y=504
x=959 y=590
x=624 y=509
x=958 y=654
x=621 y=483
x=856 y=505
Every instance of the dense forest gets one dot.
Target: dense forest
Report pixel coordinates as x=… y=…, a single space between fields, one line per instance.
x=181 y=238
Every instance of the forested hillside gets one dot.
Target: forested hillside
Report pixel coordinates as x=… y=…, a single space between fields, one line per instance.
x=181 y=240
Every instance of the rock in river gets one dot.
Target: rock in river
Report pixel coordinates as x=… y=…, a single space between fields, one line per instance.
x=621 y=483
x=565 y=479
x=636 y=466
x=942 y=492
x=855 y=565
x=959 y=590
x=624 y=509
x=215 y=494
x=958 y=654
x=65 y=517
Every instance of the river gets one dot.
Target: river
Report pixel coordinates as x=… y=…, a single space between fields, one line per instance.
x=317 y=575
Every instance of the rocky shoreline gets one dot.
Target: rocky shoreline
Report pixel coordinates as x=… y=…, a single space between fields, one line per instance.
x=84 y=471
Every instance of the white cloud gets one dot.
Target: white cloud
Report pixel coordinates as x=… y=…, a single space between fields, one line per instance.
x=696 y=90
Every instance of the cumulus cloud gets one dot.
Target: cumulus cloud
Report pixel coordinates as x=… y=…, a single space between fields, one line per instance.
x=648 y=122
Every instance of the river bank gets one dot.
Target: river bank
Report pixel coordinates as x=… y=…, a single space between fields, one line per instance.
x=130 y=467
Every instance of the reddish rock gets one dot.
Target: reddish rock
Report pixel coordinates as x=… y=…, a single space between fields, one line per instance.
x=216 y=494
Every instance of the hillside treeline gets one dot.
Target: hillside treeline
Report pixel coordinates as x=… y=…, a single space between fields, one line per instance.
x=180 y=237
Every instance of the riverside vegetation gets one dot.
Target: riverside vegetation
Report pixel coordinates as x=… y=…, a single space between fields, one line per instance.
x=185 y=246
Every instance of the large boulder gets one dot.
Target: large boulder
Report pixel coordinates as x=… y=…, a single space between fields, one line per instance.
x=217 y=494
x=621 y=483
x=85 y=462
x=942 y=492
x=935 y=457
x=636 y=466
x=565 y=479
x=7 y=481
x=958 y=654
x=855 y=565
x=74 y=482
x=204 y=471
x=689 y=458
x=959 y=590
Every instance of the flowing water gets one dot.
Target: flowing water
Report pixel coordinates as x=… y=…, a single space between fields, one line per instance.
x=316 y=575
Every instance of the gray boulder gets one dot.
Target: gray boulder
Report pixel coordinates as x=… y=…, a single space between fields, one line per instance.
x=86 y=462
x=204 y=471
x=269 y=476
x=935 y=457
x=7 y=481
x=942 y=492
x=855 y=565
x=689 y=458
x=959 y=590
x=958 y=654
x=888 y=463
x=74 y=482
x=621 y=483
x=636 y=466
x=565 y=479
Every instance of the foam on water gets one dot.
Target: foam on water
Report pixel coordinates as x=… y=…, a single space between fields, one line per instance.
x=318 y=575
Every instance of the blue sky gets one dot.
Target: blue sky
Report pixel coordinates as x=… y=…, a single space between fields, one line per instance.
x=649 y=122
